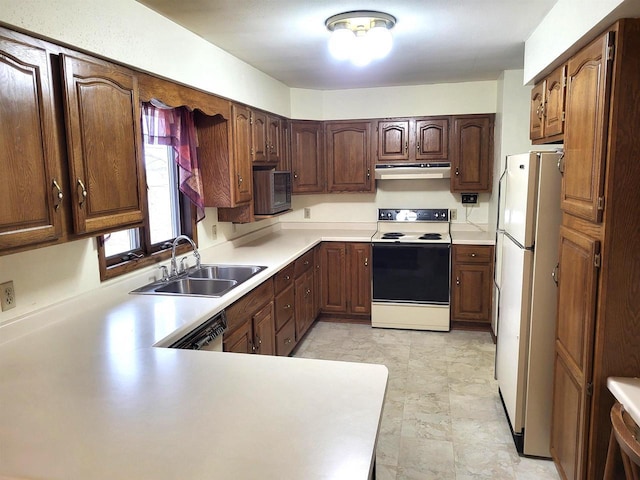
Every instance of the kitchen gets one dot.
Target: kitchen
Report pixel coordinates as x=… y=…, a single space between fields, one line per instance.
x=73 y=277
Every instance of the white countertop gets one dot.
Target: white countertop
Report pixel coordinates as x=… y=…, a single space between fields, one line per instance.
x=467 y=234
x=84 y=394
x=627 y=392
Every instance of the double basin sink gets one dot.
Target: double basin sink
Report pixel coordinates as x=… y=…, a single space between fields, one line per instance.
x=204 y=281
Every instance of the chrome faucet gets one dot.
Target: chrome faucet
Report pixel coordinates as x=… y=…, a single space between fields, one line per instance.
x=196 y=254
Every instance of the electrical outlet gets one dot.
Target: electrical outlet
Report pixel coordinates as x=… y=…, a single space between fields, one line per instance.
x=453 y=214
x=307 y=212
x=8 y=296
x=214 y=232
x=470 y=198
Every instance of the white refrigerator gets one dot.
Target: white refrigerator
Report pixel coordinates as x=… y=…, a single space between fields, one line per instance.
x=526 y=292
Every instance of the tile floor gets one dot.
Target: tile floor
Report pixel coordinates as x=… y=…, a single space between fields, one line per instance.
x=442 y=417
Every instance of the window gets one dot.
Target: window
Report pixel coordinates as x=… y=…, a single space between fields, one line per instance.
x=169 y=213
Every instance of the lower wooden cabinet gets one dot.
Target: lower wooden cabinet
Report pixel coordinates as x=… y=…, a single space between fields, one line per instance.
x=346 y=278
x=304 y=298
x=251 y=323
x=471 y=282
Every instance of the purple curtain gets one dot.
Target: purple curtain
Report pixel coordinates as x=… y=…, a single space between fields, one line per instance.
x=175 y=127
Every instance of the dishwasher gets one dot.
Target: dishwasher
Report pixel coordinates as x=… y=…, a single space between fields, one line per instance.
x=207 y=336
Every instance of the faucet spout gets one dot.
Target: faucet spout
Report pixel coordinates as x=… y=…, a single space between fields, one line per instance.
x=174 y=244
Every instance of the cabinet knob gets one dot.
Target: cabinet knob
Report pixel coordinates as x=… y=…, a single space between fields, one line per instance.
x=472 y=255
x=58 y=196
x=457 y=280
x=287 y=306
x=295 y=174
x=368 y=173
x=240 y=180
x=287 y=341
x=306 y=262
x=418 y=147
x=457 y=171
x=406 y=146
x=287 y=277
x=82 y=193
x=366 y=261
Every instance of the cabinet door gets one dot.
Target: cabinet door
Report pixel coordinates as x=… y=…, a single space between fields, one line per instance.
x=348 y=150
x=284 y=160
x=472 y=159
x=317 y=280
x=432 y=139
x=259 y=143
x=588 y=83
x=30 y=184
x=536 y=119
x=554 y=102
x=264 y=331
x=577 y=285
x=240 y=340
x=393 y=141
x=284 y=306
x=104 y=145
x=241 y=171
x=359 y=255
x=471 y=292
x=304 y=303
x=274 y=137
x=307 y=157
x=334 y=282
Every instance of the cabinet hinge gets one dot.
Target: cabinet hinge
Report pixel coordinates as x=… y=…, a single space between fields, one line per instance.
x=600 y=203
x=564 y=82
x=562 y=117
x=251 y=119
x=561 y=163
x=590 y=388
x=611 y=51
x=597 y=260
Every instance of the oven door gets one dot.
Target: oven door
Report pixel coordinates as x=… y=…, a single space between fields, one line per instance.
x=411 y=273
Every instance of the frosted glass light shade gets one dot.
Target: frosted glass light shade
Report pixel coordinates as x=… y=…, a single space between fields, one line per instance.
x=341 y=43
x=361 y=54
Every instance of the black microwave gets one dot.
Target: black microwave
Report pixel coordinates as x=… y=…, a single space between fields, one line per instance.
x=271 y=191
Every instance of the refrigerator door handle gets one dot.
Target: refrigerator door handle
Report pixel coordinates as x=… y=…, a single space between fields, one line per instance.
x=554 y=273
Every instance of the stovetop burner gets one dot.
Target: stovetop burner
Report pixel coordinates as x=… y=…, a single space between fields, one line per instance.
x=430 y=236
x=393 y=235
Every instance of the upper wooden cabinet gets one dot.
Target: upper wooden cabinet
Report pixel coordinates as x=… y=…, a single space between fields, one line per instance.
x=413 y=140
x=348 y=157
x=284 y=149
x=265 y=138
x=307 y=156
x=274 y=139
x=548 y=108
x=472 y=153
x=104 y=141
x=587 y=115
x=31 y=184
x=241 y=172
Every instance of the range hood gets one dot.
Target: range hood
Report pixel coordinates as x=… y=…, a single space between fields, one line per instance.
x=413 y=171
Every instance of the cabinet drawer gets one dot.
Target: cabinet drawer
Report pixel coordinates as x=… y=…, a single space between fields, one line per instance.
x=304 y=263
x=284 y=278
x=286 y=339
x=248 y=305
x=473 y=253
x=284 y=307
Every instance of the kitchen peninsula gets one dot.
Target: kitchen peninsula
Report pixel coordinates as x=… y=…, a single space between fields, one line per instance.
x=87 y=391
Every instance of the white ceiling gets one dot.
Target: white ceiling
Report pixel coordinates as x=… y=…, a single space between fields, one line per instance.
x=435 y=41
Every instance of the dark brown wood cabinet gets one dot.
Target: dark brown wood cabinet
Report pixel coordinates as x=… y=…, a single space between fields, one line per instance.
x=251 y=322
x=472 y=153
x=274 y=139
x=104 y=143
x=307 y=156
x=285 y=311
x=548 y=109
x=284 y=151
x=304 y=294
x=348 y=157
x=240 y=171
x=598 y=328
x=346 y=278
x=259 y=148
x=413 y=139
x=32 y=189
x=471 y=283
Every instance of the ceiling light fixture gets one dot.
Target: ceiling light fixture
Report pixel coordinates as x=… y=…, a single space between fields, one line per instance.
x=360 y=36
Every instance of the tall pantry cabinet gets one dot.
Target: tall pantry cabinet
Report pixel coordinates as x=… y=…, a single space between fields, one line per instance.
x=598 y=327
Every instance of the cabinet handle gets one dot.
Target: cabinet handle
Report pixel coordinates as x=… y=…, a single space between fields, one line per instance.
x=554 y=273
x=295 y=174
x=287 y=277
x=83 y=193
x=457 y=171
x=287 y=341
x=240 y=180
x=457 y=280
x=472 y=255
x=58 y=196
x=287 y=306
x=366 y=261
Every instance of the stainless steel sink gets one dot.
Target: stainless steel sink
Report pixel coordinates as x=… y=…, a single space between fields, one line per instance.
x=191 y=286
x=206 y=281
x=239 y=273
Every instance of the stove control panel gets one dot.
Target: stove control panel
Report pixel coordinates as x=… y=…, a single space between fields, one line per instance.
x=414 y=215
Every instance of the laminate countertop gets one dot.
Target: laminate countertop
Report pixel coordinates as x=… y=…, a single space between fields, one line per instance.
x=87 y=391
x=627 y=392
